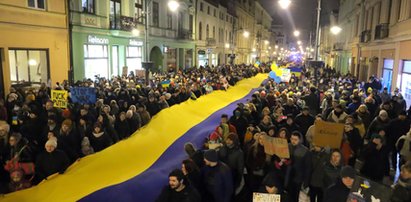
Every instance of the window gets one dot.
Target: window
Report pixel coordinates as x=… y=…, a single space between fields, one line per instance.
x=200 y=31
x=134 y=58
x=95 y=61
x=387 y=73
x=87 y=6
x=191 y=23
x=215 y=13
x=169 y=19
x=115 y=14
x=207 y=32
x=28 y=66
x=39 y=4
x=226 y=18
x=201 y=6
x=406 y=82
x=156 y=14
x=138 y=12
x=208 y=10
x=213 y=32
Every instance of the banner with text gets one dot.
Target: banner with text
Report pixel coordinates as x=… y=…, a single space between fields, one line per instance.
x=328 y=134
x=83 y=95
x=277 y=146
x=59 y=98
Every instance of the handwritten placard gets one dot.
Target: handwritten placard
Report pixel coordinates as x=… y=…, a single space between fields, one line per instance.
x=59 y=98
x=277 y=146
x=263 y=197
x=328 y=134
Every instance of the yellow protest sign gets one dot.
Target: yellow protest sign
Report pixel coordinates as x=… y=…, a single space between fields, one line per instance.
x=264 y=197
x=59 y=98
x=277 y=146
x=328 y=134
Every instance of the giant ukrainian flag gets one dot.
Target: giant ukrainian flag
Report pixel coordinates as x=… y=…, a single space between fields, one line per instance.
x=136 y=169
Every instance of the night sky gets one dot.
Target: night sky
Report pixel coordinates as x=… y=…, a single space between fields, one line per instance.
x=301 y=14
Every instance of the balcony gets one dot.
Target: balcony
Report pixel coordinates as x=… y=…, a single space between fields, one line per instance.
x=162 y=32
x=184 y=34
x=210 y=42
x=381 y=31
x=365 y=36
x=338 y=46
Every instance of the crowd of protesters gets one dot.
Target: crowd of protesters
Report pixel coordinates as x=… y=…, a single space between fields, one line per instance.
x=376 y=130
x=38 y=139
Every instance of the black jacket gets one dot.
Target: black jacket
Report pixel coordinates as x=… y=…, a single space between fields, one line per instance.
x=337 y=192
x=376 y=163
x=50 y=163
x=188 y=194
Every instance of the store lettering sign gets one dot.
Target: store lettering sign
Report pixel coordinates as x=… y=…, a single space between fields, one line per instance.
x=134 y=42
x=97 y=40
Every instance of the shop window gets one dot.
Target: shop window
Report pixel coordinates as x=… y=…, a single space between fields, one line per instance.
x=96 y=61
x=29 y=66
x=88 y=6
x=138 y=12
x=39 y=4
x=387 y=73
x=115 y=14
x=134 y=58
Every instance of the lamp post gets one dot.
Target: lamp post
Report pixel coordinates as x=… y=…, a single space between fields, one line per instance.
x=317 y=30
x=146 y=64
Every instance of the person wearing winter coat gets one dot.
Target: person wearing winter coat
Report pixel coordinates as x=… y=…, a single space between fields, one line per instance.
x=337 y=115
x=379 y=123
x=339 y=191
x=232 y=155
x=192 y=173
x=305 y=120
x=99 y=138
x=403 y=146
x=217 y=179
x=351 y=144
x=256 y=162
x=318 y=158
x=69 y=140
x=178 y=189
x=332 y=169
x=50 y=161
x=402 y=189
x=300 y=167
x=122 y=126
x=396 y=128
x=376 y=164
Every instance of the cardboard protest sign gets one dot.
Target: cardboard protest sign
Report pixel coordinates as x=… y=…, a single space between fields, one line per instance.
x=59 y=98
x=328 y=134
x=277 y=146
x=83 y=95
x=364 y=189
x=263 y=197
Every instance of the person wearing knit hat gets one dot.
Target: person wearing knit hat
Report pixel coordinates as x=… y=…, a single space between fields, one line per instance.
x=217 y=179
x=339 y=191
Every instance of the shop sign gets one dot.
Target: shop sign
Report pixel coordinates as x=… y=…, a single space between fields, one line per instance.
x=97 y=40
x=201 y=52
x=134 y=42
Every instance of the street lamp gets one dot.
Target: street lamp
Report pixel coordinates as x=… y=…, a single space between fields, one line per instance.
x=335 y=30
x=296 y=33
x=276 y=46
x=246 y=34
x=227 y=45
x=284 y=4
x=266 y=42
x=135 y=32
x=299 y=42
x=173 y=5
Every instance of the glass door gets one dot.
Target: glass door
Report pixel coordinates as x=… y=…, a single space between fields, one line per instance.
x=387 y=73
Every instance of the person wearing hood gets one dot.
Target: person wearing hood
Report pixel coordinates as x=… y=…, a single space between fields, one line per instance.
x=232 y=155
x=99 y=138
x=363 y=114
x=402 y=190
x=339 y=191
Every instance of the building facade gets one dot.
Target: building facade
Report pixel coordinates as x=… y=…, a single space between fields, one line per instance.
x=264 y=42
x=108 y=36
x=377 y=41
x=33 y=43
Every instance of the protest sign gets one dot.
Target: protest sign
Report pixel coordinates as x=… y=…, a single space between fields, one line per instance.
x=83 y=95
x=328 y=134
x=286 y=75
x=124 y=71
x=364 y=189
x=277 y=146
x=263 y=197
x=59 y=98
